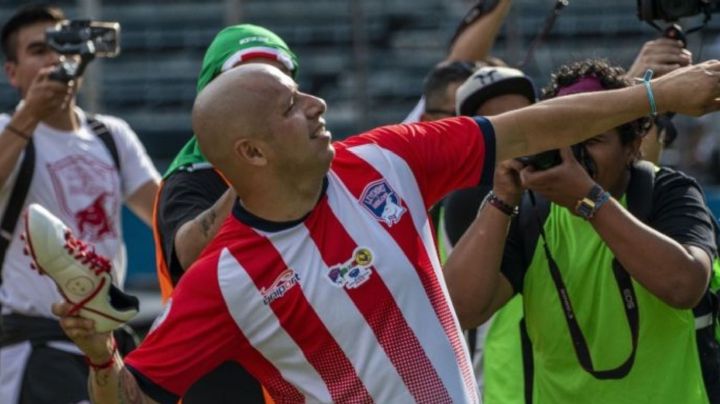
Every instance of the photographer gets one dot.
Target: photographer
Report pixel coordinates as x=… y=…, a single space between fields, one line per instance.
x=628 y=287
x=80 y=167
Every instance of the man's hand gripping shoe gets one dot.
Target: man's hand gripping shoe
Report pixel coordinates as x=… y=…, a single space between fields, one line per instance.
x=82 y=276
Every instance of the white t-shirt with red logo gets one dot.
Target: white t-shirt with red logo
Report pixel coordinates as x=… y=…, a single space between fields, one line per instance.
x=75 y=178
x=347 y=304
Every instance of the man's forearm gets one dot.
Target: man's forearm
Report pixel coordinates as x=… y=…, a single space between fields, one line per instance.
x=193 y=236
x=663 y=266
x=476 y=41
x=115 y=385
x=13 y=142
x=472 y=270
x=564 y=121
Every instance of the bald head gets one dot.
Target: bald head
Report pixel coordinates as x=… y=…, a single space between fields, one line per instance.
x=235 y=106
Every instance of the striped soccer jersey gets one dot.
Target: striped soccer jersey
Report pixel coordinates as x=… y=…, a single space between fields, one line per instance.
x=346 y=304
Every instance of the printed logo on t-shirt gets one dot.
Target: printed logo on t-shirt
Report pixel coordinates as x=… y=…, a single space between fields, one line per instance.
x=383 y=202
x=87 y=190
x=284 y=282
x=355 y=271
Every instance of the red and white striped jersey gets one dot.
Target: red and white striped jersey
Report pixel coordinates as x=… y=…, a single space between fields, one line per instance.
x=347 y=304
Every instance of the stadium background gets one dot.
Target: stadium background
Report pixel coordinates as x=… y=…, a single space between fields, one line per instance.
x=366 y=58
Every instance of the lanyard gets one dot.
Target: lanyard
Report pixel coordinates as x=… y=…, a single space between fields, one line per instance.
x=579 y=343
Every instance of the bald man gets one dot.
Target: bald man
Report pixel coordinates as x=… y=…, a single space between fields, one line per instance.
x=323 y=282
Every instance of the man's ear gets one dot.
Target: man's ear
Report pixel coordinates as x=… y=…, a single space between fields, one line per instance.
x=251 y=152
x=10 y=68
x=634 y=151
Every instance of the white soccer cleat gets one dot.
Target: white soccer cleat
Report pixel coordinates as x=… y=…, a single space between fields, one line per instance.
x=82 y=276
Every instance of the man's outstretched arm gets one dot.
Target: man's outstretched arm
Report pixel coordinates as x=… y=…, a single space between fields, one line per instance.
x=564 y=121
x=109 y=380
x=476 y=39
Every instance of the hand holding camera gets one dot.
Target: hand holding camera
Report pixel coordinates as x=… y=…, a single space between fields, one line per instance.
x=46 y=96
x=662 y=55
x=506 y=181
x=563 y=184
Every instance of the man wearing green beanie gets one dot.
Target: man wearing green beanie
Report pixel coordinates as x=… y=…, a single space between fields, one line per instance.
x=194 y=199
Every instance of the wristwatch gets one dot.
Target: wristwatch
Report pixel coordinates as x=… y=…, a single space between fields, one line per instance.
x=589 y=205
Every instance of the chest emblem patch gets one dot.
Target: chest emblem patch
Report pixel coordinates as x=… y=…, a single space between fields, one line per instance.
x=383 y=202
x=353 y=272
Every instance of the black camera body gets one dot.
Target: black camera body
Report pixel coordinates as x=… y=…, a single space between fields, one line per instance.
x=79 y=42
x=673 y=10
x=551 y=158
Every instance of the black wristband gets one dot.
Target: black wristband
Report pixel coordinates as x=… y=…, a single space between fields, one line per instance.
x=17 y=132
x=504 y=207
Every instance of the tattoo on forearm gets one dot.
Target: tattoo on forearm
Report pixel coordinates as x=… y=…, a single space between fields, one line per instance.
x=207 y=221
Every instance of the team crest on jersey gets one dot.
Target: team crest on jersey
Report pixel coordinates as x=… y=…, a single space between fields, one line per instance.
x=383 y=202
x=355 y=271
x=284 y=282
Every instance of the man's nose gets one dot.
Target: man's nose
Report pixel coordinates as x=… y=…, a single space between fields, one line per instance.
x=52 y=58
x=317 y=106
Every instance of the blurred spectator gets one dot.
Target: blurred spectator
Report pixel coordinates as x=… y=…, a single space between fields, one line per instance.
x=81 y=167
x=586 y=266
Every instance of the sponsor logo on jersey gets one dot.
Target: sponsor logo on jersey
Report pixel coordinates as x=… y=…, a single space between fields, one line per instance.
x=355 y=271
x=383 y=202
x=284 y=282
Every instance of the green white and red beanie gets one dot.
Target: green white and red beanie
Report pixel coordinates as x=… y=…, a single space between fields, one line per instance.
x=231 y=46
x=241 y=43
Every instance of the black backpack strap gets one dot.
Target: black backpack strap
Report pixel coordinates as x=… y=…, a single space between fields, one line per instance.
x=640 y=190
x=12 y=213
x=16 y=201
x=101 y=131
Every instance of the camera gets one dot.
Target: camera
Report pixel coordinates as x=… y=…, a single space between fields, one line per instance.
x=79 y=42
x=673 y=10
x=551 y=158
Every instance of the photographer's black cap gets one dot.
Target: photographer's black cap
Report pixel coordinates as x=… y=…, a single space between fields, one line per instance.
x=489 y=82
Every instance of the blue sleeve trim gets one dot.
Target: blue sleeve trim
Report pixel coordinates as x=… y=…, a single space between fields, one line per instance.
x=488 y=132
x=154 y=391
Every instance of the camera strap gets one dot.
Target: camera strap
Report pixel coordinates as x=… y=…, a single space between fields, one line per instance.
x=639 y=200
x=19 y=192
x=544 y=32
x=579 y=342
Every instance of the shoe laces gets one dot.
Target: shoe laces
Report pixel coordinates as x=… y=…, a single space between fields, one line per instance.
x=86 y=254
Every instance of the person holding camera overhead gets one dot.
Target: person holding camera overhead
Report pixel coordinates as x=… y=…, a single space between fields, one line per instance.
x=80 y=167
x=612 y=257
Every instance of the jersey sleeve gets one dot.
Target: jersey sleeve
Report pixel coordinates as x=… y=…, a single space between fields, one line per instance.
x=679 y=211
x=193 y=336
x=443 y=155
x=135 y=164
x=183 y=196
